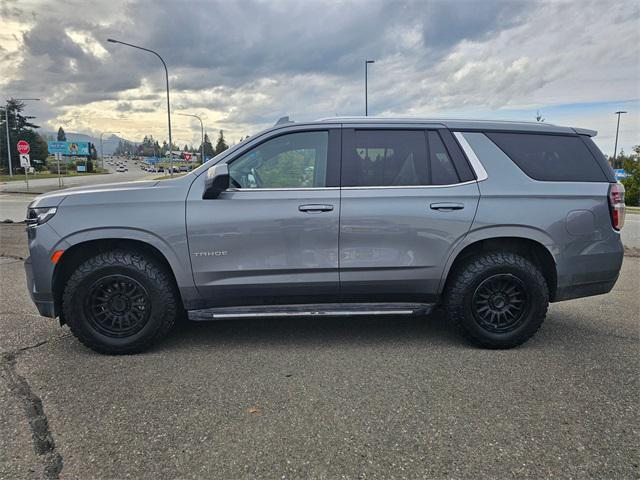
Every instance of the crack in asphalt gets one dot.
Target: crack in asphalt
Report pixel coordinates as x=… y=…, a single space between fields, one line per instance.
x=15 y=258
x=43 y=443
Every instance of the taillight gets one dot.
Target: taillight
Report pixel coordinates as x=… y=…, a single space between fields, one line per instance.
x=616 y=205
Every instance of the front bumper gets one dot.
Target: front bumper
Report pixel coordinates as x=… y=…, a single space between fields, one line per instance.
x=43 y=301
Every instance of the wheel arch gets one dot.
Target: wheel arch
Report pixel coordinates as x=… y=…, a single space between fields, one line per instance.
x=83 y=250
x=534 y=249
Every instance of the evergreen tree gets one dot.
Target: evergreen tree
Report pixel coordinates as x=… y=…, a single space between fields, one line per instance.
x=20 y=128
x=62 y=137
x=221 y=144
x=208 y=147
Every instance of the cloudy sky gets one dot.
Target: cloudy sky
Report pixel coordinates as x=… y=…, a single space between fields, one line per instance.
x=242 y=64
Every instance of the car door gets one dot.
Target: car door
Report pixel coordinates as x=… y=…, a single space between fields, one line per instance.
x=408 y=197
x=272 y=236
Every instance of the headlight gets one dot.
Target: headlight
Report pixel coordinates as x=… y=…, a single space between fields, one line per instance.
x=38 y=216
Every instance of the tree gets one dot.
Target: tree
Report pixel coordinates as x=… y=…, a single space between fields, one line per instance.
x=208 y=147
x=20 y=128
x=93 y=152
x=149 y=147
x=62 y=137
x=631 y=166
x=221 y=144
x=186 y=148
x=39 y=148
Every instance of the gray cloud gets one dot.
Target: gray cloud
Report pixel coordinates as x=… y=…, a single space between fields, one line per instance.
x=232 y=43
x=250 y=61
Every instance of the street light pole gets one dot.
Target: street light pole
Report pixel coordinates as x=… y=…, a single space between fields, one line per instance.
x=615 y=148
x=101 y=154
x=6 y=116
x=166 y=74
x=366 y=68
x=201 y=132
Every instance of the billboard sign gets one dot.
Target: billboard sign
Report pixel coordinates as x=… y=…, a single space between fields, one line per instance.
x=69 y=148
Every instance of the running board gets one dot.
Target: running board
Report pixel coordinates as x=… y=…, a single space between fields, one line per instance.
x=313 y=310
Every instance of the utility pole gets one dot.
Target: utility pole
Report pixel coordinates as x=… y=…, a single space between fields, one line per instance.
x=166 y=75
x=201 y=132
x=366 y=74
x=615 y=148
x=101 y=155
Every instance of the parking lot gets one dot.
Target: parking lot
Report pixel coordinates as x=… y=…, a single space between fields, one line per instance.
x=322 y=398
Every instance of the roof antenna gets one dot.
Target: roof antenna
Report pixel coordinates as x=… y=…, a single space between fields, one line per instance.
x=283 y=120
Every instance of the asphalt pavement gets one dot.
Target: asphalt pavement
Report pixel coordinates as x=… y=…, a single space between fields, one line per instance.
x=322 y=398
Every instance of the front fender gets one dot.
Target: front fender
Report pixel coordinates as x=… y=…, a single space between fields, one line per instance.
x=175 y=253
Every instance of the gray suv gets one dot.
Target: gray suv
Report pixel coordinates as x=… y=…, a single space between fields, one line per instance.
x=345 y=216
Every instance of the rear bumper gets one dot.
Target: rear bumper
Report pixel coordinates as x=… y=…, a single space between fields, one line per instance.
x=584 y=290
x=591 y=270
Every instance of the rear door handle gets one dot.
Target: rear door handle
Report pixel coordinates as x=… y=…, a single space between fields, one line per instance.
x=315 y=208
x=446 y=206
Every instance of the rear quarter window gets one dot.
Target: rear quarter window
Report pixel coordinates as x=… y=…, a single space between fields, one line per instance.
x=555 y=158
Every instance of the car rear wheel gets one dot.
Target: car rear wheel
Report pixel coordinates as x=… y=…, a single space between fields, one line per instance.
x=497 y=299
x=120 y=302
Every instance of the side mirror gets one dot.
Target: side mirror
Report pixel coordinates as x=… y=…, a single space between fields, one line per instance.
x=217 y=181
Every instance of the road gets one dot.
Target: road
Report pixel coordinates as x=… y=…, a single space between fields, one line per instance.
x=322 y=398
x=46 y=184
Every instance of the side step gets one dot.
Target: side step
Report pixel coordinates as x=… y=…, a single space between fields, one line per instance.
x=328 y=309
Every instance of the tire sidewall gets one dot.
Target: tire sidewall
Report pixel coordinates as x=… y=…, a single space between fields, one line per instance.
x=536 y=308
x=78 y=320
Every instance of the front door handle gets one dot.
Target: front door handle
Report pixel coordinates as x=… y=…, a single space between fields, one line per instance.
x=446 y=206
x=315 y=208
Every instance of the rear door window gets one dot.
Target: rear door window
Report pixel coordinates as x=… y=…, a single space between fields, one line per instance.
x=388 y=158
x=550 y=157
x=384 y=158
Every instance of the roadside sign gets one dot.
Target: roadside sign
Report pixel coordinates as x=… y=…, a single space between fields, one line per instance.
x=23 y=147
x=187 y=156
x=24 y=160
x=68 y=148
x=620 y=174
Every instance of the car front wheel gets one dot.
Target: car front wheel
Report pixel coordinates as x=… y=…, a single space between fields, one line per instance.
x=120 y=302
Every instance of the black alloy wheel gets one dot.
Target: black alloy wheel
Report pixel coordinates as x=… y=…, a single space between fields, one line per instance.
x=499 y=303
x=117 y=306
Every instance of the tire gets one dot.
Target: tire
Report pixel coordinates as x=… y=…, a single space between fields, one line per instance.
x=120 y=302
x=497 y=299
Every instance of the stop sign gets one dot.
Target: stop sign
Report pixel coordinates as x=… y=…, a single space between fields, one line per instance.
x=23 y=147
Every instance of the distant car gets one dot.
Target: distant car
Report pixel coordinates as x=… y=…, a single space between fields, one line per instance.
x=120 y=169
x=184 y=168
